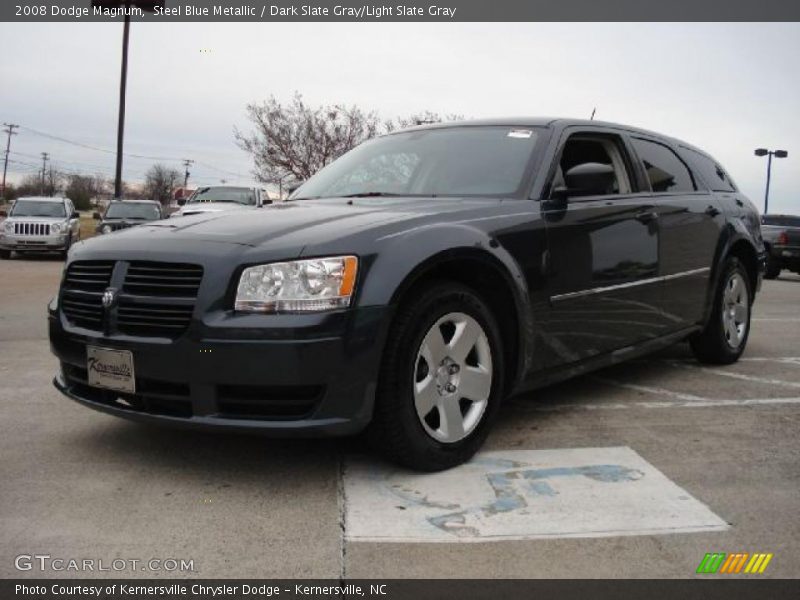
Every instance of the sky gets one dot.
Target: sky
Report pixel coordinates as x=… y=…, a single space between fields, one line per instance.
x=727 y=88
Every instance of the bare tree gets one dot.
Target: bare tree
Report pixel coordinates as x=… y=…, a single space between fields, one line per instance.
x=290 y=142
x=82 y=188
x=160 y=181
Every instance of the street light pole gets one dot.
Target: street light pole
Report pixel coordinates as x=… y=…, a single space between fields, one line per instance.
x=769 y=154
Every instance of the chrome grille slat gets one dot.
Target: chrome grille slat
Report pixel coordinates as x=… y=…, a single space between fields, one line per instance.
x=23 y=228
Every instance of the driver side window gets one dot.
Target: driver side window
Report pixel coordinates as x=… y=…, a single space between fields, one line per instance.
x=591 y=165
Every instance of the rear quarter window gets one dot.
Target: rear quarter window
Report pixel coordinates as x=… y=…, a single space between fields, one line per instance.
x=665 y=170
x=712 y=173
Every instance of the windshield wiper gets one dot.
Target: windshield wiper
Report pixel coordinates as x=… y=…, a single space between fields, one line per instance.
x=375 y=195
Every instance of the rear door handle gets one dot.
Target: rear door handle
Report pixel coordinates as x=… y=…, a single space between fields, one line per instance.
x=646 y=216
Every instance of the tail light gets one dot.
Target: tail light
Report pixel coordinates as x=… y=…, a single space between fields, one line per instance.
x=783 y=239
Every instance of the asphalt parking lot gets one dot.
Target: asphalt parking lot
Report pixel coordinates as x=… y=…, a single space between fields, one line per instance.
x=80 y=484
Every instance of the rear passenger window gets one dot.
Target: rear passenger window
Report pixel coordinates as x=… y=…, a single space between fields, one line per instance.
x=713 y=174
x=665 y=170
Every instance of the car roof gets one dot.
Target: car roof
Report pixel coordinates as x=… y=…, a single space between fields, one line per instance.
x=43 y=198
x=545 y=122
x=134 y=201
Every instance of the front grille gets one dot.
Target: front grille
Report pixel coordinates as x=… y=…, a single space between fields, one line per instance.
x=274 y=403
x=82 y=293
x=163 y=279
x=156 y=299
x=152 y=318
x=31 y=228
x=152 y=396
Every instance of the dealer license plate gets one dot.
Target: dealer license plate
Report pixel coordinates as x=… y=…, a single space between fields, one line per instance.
x=110 y=369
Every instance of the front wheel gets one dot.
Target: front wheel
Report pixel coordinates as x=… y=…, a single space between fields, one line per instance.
x=441 y=379
x=5 y=254
x=725 y=336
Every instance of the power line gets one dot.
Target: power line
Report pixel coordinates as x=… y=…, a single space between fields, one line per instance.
x=45 y=158
x=10 y=127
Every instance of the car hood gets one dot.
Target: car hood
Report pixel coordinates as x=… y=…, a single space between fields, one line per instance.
x=300 y=223
x=205 y=207
x=38 y=219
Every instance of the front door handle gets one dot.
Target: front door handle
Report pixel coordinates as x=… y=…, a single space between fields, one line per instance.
x=711 y=211
x=646 y=216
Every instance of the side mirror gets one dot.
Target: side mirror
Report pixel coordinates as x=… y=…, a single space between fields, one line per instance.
x=96 y=216
x=75 y=215
x=3 y=213
x=293 y=188
x=590 y=179
x=181 y=201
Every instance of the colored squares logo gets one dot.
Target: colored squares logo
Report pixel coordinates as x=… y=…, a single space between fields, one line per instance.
x=734 y=563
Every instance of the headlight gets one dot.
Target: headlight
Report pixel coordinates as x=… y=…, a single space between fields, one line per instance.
x=55 y=228
x=106 y=229
x=8 y=227
x=298 y=286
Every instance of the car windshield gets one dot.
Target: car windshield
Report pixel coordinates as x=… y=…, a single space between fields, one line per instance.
x=132 y=210
x=239 y=195
x=453 y=161
x=38 y=208
x=781 y=220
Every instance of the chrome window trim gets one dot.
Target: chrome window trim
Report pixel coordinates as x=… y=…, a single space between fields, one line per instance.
x=629 y=284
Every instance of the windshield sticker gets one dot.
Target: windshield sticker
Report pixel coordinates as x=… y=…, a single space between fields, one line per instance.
x=520 y=133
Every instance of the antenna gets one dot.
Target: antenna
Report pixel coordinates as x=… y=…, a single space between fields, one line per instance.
x=594 y=110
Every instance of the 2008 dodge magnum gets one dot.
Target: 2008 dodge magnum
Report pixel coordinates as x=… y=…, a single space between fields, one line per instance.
x=411 y=285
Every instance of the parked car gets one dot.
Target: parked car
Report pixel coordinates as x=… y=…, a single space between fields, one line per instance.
x=222 y=198
x=782 y=242
x=414 y=283
x=39 y=224
x=121 y=214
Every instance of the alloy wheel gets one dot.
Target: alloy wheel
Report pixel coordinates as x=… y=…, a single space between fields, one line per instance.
x=452 y=377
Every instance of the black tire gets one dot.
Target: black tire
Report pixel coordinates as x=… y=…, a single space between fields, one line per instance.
x=773 y=268
x=711 y=345
x=396 y=430
x=5 y=254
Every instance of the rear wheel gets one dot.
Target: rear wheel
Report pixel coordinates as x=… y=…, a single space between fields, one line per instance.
x=725 y=336
x=441 y=380
x=773 y=268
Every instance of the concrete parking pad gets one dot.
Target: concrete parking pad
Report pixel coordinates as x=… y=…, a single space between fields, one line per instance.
x=79 y=484
x=519 y=494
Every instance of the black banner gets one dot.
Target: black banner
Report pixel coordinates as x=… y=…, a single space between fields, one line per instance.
x=403 y=10
x=714 y=588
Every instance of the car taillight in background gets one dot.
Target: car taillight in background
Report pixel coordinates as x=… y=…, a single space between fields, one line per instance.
x=783 y=239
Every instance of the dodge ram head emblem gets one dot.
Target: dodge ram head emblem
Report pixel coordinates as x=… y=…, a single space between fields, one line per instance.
x=109 y=297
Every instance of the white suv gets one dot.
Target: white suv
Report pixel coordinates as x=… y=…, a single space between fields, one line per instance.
x=39 y=224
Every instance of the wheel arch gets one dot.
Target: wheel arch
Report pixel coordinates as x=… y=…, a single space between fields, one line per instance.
x=491 y=279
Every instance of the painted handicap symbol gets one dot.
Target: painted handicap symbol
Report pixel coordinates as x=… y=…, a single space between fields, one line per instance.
x=514 y=488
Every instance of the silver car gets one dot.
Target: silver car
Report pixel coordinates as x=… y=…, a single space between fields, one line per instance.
x=39 y=224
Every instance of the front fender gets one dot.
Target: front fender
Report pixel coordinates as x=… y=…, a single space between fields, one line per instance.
x=405 y=258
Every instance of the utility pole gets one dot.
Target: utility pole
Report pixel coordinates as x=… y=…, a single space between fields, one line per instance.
x=186 y=164
x=10 y=127
x=45 y=158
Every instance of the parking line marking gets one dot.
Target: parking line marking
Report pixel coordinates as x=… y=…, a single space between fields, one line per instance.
x=734 y=375
x=650 y=389
x=709 y=403
x=520 y=495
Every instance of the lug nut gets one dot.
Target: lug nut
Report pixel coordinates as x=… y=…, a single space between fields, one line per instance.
x=450 y=388
x=454 y=369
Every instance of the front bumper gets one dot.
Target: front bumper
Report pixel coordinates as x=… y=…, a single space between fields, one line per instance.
x=319 y=381
x=33 y=243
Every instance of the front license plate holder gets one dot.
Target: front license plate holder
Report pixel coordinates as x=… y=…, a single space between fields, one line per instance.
x=110 y=369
